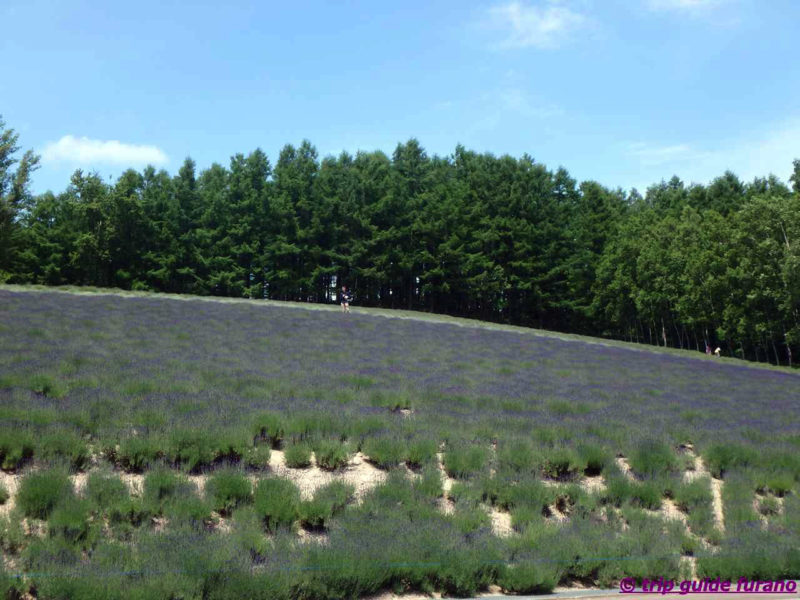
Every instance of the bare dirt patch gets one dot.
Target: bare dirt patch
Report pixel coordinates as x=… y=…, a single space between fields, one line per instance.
x=501 y=522
x=392 y=596
x=593 y=485
x=199 y=482
x=446 y=505
x=689 y=563
x=219 y=523
x=135 y=483
x=160 y=524
x=359 y=472
x=11 y=483
x=701 y=470
x=447 y=481
x=623 y=465
x=765 y=517
x=671 y=512
x=312 y=537
x=556 y=515
x=79 y=482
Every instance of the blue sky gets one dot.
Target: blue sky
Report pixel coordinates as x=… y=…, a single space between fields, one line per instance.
x=623 y=92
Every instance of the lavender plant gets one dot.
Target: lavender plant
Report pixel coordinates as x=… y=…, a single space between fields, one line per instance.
x=157 y=386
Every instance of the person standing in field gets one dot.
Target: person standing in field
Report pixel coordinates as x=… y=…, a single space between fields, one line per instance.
x=345 y=298
x=717 y=351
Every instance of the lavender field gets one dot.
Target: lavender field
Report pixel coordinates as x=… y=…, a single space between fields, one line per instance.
x=240 y=449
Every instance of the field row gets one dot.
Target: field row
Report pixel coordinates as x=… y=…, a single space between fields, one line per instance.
x=304 y=455
x=84 y=509
x=692 y=493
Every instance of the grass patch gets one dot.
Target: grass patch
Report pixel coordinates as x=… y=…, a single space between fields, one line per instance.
x=421 y=452
x=41 y=491
x=517 y=456
x=16 y=447
x=298 y=455
x=562 y=463
x=328 y=500
x=724 y=457
x=258 y=457
x=768 y=506
x=596 y=458
x=70 y=520
x=358 y=382
x=135 y=454
x=331 y=454
x=652 y=458
x=188 y=510
x=46 y=385
x=620 y=491
x=695 y=499
x=529 y=494
x=465 y=460
x=385 y=452
x=269 y=427
x=64 y=445
x=105 y=490
x=161 y=485
x=277 y=502
x=193 y=449
x=530 y=578
x=429 y=484
x=778 y=483
x=229 y=489
x=563 y=408
x=391 y=400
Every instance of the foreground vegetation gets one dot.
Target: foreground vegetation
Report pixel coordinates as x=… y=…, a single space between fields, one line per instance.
x=471 y=234
x=142 y=439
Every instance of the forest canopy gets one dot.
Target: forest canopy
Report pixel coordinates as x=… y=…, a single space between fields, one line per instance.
x=471 y=234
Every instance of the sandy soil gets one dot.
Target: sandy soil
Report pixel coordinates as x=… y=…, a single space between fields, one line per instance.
x=79 y=481
x=593 y=485
x=700 y=470
x=312 y=537
x=670 y=512
x=501 y=522
x=447 y=481
x=359 y=472
x=364 y=476
x=135 y=483
x=623 y=465
x=494 y=591
x=446 y=505
x=10 y=483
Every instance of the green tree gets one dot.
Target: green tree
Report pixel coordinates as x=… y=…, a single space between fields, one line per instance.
x=794 y=179
x=15 y=199
x=188 y=267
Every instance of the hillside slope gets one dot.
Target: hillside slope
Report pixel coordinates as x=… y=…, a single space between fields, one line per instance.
x=544 y=460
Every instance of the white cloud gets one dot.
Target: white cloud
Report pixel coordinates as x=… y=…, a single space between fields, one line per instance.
x=515 y=100
x=84 y=150
x=684 y=5
x=526 y=26
x=748 y=156
x=760 y=155
x=650 y=155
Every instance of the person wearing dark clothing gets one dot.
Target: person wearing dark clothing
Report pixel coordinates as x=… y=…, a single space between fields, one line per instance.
x=345 y=298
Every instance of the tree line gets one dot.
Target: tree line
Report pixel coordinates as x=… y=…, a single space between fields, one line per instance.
x=471 y=234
